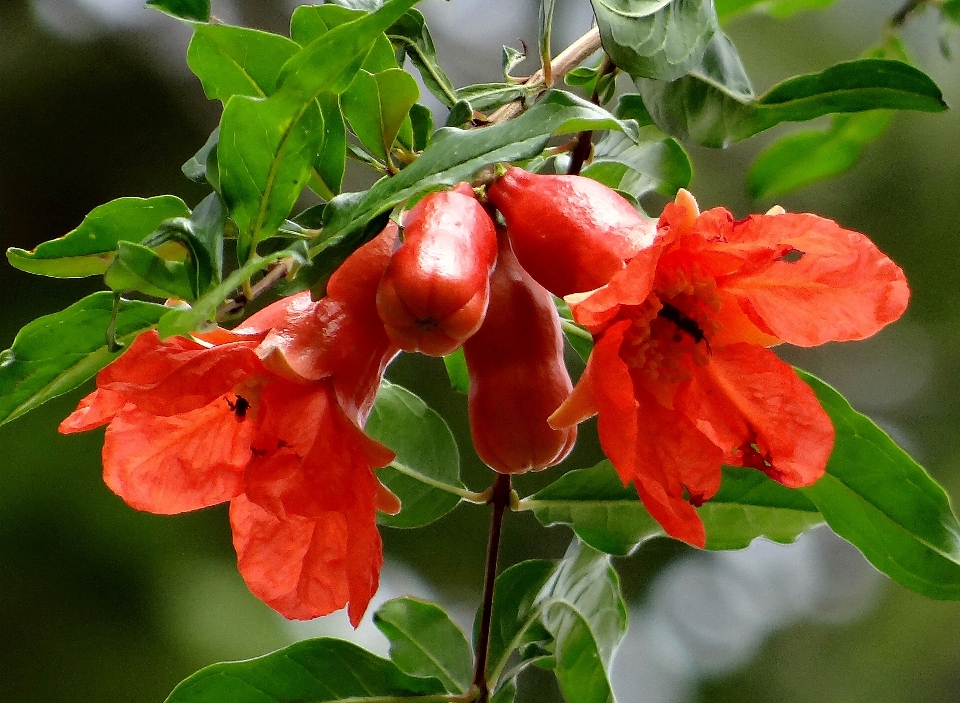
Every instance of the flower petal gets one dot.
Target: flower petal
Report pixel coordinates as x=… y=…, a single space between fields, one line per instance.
x=96 y=409
x=172 y=464
x=177 y=375
x=758 y=410
x=840 y=288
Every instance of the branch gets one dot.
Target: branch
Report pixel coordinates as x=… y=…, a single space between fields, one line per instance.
x=234 y=305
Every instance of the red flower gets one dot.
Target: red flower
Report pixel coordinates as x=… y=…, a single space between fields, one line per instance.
x=680 y=375
x=268 y=418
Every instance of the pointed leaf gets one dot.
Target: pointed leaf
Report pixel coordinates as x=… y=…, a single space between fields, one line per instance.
x=310 y=22
x=486 y=96
x=376 y=105
x=410 y=32
x=876 y=497
x=196 y=167
x=657 y=162
x=139 y=268
x=90 y=248
x=313 y=670
x=425 y=642
x=664 y=45
x=208 y=220
x=331 y=163
x=56 y=353
x=195 y=10
x=426 y=473
x=610 y=517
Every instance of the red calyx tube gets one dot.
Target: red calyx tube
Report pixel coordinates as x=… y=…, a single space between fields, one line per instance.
x=435 y=290
x=569 y=232
x=517 y=374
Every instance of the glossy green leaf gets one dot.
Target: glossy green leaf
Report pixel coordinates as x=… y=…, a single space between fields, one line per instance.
x=421 y=122
x=331 y=163
x=455 y=155
x=376 y=106
x=266 y=151
x=203 y=311
x=140 y=268
x=267 y=147
x=316 y=670
x=196 y=167
x=777 y=8
x=195 y=10
x=426 y=473
x=876 y=497
x=456 y=365
x=207 y=223
x=90 y=248
x=56 y=353
x=581 y=607
x=411 y=33
x=237 y=61
x=710 y=107
x=310 y=22
x=656 y=163
x=610 y=517
x=515 y=613
x=487 y=96
x=664 y=45
x=798 y=160
x=426 y=643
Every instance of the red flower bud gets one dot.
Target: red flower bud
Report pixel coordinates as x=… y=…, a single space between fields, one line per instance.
x=517 y=374
x=569 y=232
x=434 y=292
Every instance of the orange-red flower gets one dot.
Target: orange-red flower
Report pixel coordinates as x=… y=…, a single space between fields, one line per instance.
x=266 y=417
x=680 y=374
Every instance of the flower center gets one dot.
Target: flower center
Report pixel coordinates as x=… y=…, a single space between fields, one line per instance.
x=672 y=328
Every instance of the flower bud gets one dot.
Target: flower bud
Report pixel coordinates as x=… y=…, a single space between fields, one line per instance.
x=571 y=233
x=434 y=292
x=517 y=374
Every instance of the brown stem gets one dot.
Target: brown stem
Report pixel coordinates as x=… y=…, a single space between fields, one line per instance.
x=500 y=499
x=581 y=152
x=234 y=305
x=907 y=9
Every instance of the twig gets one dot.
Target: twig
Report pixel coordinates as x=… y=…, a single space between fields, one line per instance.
x=907 y=9
x=234 y=305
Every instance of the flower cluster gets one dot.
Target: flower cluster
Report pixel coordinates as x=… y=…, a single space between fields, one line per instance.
x=269 y=416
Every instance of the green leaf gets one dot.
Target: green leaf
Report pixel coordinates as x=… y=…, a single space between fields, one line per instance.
x=486 y=96
x=56 y=353
x=426 y=473
x=664 y=45
x=331 y=163
x=140 y=268
x=656 y=163
x=426 y=643
x=581 y=607
x=546 y=29
x=515 y=613
x=411 y=33
x=777 y=8
x=195 y=10
x=207 y=222
x=376 y=106
x=310 y=22
x=876 y=497
x=90 y=248
x=798 y=160
x=266 y=151
x=456 y=155
x=456 y=364
x=267 y=147
x=610 y=517
x=313 y=670
x=710 y=107
x=197 y=166
x=421 y=120
x=237 y=61
x=203 y=312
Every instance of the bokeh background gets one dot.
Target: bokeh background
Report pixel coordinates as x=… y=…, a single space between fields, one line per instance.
x=101 y=603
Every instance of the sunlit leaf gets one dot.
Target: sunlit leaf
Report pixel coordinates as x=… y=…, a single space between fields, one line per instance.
x=456 y=365
x=196 y=10
x=56 y=353
x=237 y=61
x=664 y=45
x=425 y=642
x=90 y=248
x=376 y=106
x=777 y=8
x=427 y=466
x=310 y=22
x=313 y=670
x=139 y=268
x=879 y=499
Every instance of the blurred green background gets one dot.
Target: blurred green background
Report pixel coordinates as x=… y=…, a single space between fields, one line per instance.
x=101 y=603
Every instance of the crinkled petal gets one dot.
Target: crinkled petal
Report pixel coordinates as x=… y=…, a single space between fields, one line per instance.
x=177 y=463
x=96 y=409
x=631 y=286
x=761 y=413
x=177 y=375
x=297 y=566
x=658 y=448
x=840 y=288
